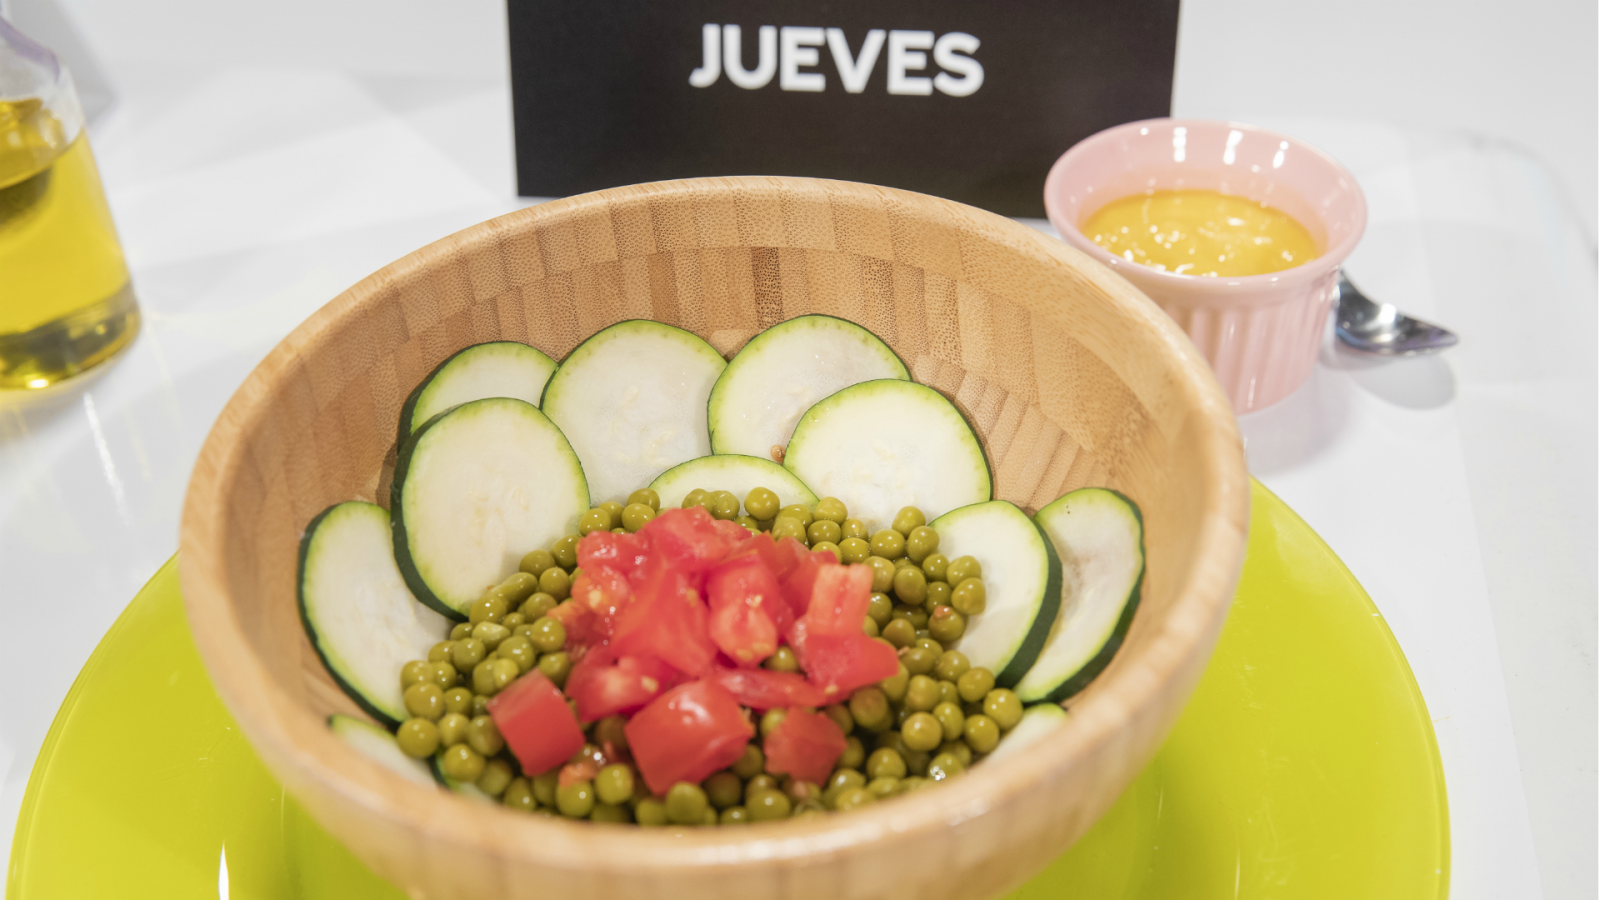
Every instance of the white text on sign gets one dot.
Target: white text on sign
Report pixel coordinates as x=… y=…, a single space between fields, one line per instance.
x=789 y=51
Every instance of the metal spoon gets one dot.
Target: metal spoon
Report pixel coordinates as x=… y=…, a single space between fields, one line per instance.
x=1371 y=327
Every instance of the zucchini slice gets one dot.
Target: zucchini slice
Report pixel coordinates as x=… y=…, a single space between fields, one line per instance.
x=738 y=474
x=356 y=609
x=1099 y=535
x=632 y=400
x=1022 y=580
x=1037 y=721
x=469 y=790
x=495 y=369
x=378 y=745
x=882 y=445
x=476 y=488
x=783 y=371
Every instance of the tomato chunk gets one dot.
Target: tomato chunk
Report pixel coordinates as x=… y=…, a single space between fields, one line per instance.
x=583 y=627
x=805 y=745
x=741 y=591
x=686 y=539
x=625 y=553
x=734 y=533
x=799 y=584
x=840 y=596
x=604 y=591
x=840 y=663
x=686 y=734
x=602 y=685
x=536 y=723
x=764 y=689
x=666 y=621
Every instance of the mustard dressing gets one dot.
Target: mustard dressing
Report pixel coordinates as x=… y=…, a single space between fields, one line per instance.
x=1201 y=232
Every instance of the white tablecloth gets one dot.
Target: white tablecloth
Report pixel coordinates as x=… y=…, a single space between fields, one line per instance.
x=1460 y=489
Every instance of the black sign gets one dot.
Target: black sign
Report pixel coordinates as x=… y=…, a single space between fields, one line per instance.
x=969 y=101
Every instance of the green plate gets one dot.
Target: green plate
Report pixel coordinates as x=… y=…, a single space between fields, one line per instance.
x=1304 y=767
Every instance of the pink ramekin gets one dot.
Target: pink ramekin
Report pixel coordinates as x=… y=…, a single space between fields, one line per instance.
x=1260 y=332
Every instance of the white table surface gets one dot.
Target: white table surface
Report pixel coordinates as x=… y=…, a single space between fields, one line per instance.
x=251 y=187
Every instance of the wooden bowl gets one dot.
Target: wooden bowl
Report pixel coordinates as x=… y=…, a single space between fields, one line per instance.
x=1071 y=376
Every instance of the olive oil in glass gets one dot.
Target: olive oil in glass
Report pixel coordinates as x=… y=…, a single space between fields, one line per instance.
x=66 y=303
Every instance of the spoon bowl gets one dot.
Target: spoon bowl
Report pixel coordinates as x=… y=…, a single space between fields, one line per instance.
x=1371 y=327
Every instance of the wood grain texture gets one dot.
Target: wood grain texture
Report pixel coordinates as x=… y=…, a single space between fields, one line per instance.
x=1071 y=377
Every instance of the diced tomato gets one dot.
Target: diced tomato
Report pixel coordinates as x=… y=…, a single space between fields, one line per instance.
x=582 y=770
x=583 y=627
x=666 y=621
x=536 y=723
x=802 y=578
x=764 y=689
x=840 y=663
x=626 y=553
x=741 y=591
x=827 y=557
x=605 y=591
x=733 y=532
x=686 y=539
x=787 y=554
x=603 y=685
x=686 y=734
x=840 y=596
x=805 y=745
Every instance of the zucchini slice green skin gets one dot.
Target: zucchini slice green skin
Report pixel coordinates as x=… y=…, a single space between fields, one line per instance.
x=632 y=401
x=1022 y=576
x=730 y=472
x=881 y=445
x=492 y=369
x=475 y=488
x=378 y=745
x=1037 y=721
x=361 y=658
x=785 y=370
x=1086 y=637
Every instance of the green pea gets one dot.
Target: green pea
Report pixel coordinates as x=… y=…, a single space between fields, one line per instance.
x=949 y=693
x=751 y=763
x=636 y=515
x=537 y=606
x=1002 y=705
x=439 y=652
x=888 y=544
x=461 y=763
x=910 y=586
x=453 y=729
x=594 y=520
x=899 y=632
x=460 y=630
x=824 y=530
x=548 y=635
x=800 y=791
x=959 y=749
x=491 y=607
x=938 y=594
x=486 y=678
x=919 y=660
x=922 y=694
x=886 y=762
x=946 y=625
x=759 y=782
x=613 y=784
x=565 y=552
x=761 y=503
x=517 y=587
x=556 y=583
x=961 y=568
x=772 y=719
x=854 y=550
x=901 y=563
x=969 y=597
x=520 y=651
x=575 y=800
x=686 y=804
x=484 y=737
x=415 y=671
x=882 y=574
x=536 y=561
x=610 y=730
x=797 y=511
x=831 y=509
x=908 y=519
x=696 y=497
x=496 y=777
x=606 y=812
x=789 y=526
x=457 y=700
x=723 y=789
x=880 y=608
x=723 y=505
x=466 y=654
x=826 y=546
x=950 y=719
x=782 y=660
x=870 y=709
x=647 y=497
x=840 y=781
x=424 y=700
x=854 y=798
x=944 y=766
x=922 y=731
x=555 y=666
x=884 y=788
x=840 y=714
x=650 y=812
x=932 y=646
x=895 y=686
x=854 y=753
x=975 y=684
x=734 y=815
x=544 y=787
x=855 y=528
x=444 y=675
x=513 y=620
x=921 y=543
x=870 y=628
x=519 y=795
x=418 y=738
x=952 y=665
x=491 y=634
x=767 y=805
x=480 y=706
x=614 y=509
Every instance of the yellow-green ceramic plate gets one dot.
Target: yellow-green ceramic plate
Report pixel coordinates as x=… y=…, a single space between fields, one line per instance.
x=1304 y=767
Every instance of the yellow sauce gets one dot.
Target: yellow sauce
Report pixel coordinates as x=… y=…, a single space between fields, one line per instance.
x=1198 y=232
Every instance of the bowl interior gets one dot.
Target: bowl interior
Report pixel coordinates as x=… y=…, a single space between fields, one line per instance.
x=1169 y=154
x=1070 y=376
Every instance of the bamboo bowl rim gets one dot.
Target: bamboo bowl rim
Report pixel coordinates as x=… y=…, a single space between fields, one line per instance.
x=306 y=755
